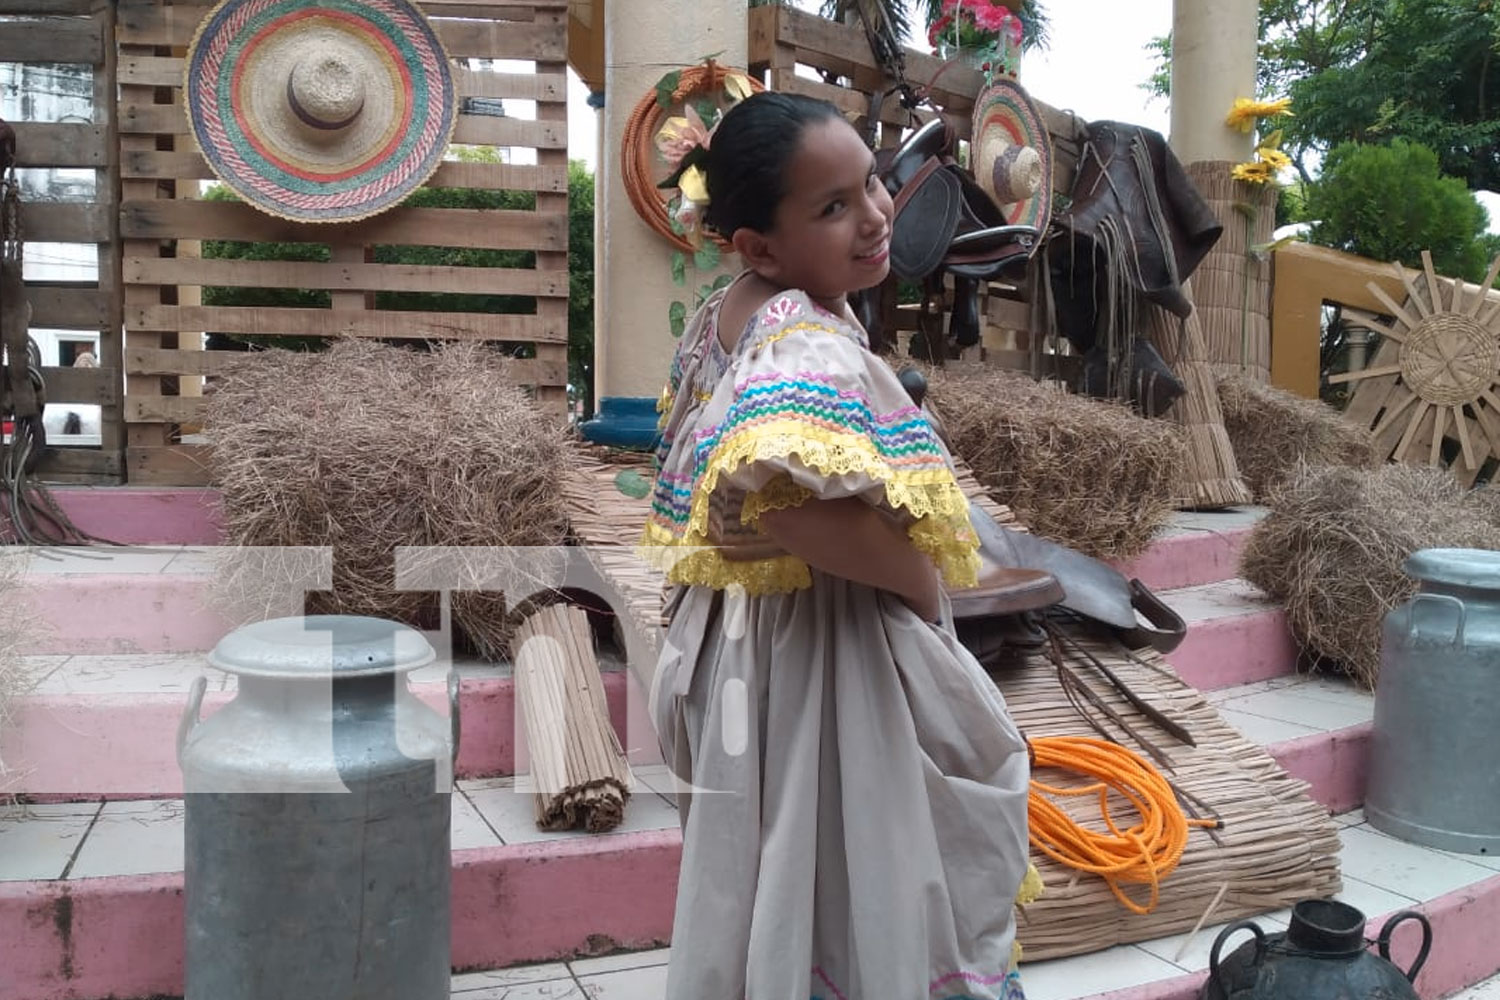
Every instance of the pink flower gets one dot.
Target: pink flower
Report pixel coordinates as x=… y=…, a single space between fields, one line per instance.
x=679 y=136
x=990 y=16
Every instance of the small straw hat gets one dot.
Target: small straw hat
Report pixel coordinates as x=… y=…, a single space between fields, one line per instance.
x=320 y=110
x=1011 y=154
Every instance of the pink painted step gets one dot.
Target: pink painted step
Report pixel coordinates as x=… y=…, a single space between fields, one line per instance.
x=122 y=936
x=1196 y=548
x=122 y=744
x=144 y=515
x=1236 y=635
x=531 y=902
x=129 y=600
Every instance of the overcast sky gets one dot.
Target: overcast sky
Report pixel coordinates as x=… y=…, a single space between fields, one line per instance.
x=1094 y=66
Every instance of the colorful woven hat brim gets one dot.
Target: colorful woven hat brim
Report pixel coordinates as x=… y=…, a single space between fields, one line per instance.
x=240 y=108
x=1006 y=108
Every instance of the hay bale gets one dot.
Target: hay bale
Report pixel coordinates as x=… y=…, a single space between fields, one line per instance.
x=1274 y=431
x=1332 y=546
x=1088 y=473
x=367 y=447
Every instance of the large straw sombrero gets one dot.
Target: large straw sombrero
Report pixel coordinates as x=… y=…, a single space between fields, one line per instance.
x=320 y=110
x=1012 y=154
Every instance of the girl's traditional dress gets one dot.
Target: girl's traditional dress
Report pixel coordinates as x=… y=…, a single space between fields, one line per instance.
x=857 y=825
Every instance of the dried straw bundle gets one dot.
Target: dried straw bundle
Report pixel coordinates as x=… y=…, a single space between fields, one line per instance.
x=18 y=625
x=365 y=448
x=1332 y=547
x=1211 y=476
x=1232 y=285
x=1090 y=474
x=1274 y=431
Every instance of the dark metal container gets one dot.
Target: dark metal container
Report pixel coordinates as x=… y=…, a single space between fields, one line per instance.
x=1321 y=956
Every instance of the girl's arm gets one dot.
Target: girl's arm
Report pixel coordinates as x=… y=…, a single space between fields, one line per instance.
x=851 y=539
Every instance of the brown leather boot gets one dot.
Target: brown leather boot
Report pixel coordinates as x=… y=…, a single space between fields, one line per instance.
x=1004 y=590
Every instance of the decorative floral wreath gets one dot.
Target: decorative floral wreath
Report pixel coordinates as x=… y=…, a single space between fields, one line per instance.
x=656 y=140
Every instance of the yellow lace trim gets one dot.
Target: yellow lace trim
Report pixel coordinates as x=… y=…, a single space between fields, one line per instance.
x=1030 y=891
x=942 y=529
x=951 y=547
x=779 y=494
x=697 y=563
x=1031 y=886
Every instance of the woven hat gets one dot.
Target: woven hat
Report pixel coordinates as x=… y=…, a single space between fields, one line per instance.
x=320 y=110
x=1011 y=153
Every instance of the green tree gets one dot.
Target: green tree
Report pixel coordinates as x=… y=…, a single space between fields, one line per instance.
x=581 y=284
x=1391 y=202
x=1378 y=70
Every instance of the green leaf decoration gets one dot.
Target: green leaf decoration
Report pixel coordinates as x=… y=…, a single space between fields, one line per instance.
x=707 y=111
x=722 y=281
x=677 y=315
x=679 y=268
x=631 y=483
x=666 y=87
x=707 y=257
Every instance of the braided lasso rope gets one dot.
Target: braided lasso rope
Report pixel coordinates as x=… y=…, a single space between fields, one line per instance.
x=638 y=158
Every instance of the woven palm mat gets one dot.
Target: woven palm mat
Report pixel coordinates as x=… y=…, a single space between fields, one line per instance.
x=1277 y=845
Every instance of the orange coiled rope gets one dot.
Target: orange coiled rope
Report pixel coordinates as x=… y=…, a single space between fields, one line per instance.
x=1141 y=854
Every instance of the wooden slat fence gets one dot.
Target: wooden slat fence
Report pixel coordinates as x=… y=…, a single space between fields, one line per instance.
x=75 y=32
x=164 y=222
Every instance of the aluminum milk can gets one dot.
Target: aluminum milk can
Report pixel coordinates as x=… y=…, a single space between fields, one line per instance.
x=317 y=811
x=1433 y=778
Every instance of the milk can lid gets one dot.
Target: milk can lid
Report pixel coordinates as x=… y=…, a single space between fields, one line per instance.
x=1478 y=568
x=322 y=646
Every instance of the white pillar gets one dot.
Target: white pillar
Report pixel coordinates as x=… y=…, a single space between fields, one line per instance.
x=1213 y=62
x=633 y=344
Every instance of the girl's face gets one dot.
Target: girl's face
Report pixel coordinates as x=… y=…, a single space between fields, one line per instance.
x=832 y=230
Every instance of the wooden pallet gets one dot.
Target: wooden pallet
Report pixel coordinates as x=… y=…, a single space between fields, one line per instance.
x=163 y=223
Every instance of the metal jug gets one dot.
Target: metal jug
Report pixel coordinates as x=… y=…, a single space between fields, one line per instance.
x=1433 y=778
x=1321 y=956
x=318 y=815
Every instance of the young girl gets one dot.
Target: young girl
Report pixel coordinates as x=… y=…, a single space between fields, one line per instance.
x=857 y=827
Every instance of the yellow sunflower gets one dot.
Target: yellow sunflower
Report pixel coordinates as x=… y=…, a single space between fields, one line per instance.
x=1247 y=111
x=1259 y=172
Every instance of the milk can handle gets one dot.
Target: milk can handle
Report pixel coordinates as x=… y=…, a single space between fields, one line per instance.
x=1411 y=628
x=455 y=720
x=189 y=718
x=1385 y=941
x=1213 y=954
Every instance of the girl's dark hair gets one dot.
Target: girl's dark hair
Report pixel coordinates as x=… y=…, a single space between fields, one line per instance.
x=748 y=158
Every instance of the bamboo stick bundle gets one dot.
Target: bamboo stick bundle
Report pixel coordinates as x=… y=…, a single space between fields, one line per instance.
x=577 y=764
x=1213 y=476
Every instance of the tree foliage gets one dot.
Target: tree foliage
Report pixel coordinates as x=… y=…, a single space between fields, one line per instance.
x=1379 y=70
x=1391 y=202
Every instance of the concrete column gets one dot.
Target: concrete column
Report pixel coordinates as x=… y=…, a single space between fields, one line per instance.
x=1213 y=62
x=633 y=343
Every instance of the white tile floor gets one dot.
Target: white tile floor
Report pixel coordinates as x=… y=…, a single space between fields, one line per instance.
x=84 y=840
x=1381 y=875
x=1285 y=708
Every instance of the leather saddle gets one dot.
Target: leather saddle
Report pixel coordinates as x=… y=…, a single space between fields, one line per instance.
x=945 y=223
x=1026 y=575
